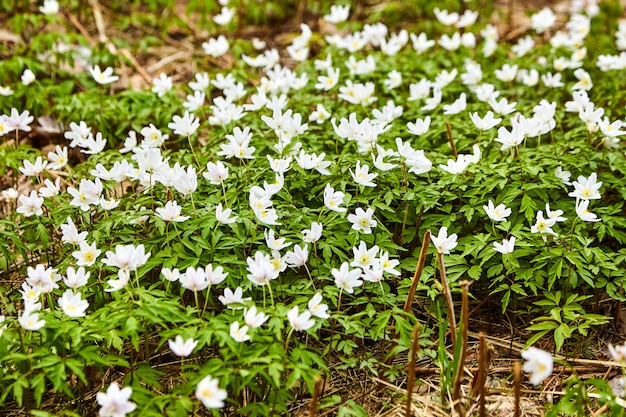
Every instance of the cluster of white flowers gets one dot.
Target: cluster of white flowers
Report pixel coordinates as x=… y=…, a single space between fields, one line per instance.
x=145 y=165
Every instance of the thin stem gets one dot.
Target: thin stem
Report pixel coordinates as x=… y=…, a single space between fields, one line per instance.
x=288 y=339
x=269 y=287
x=571 y=234
x=195 y=297
x=339 y=300
x=309 y=274
x=27 y=394
x=206 y=300
x=193 y=205
x=224 y=191
x=193 y=152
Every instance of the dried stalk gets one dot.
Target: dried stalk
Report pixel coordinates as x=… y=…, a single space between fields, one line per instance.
x=478 y=383
x=418 y=272
x=448 y=297
x=451 y=140
x=415 y=346
x=517 y=388
x=317 y=389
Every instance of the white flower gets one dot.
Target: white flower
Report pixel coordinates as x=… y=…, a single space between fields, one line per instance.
x=127 y=257
x=209 y=392
x=216 y=173
x=29 y=320
x=319 y=116
x=446 y=18
x=457 y=106
x=184 y=126
x=421 y=42
x=239 y=334
x=543 y=225
x=443 y=242
x=363 y=220
x=364 y=257
x=387 y=264
x=70 y=233
x=230 y=297
x=171 y=212
x=214 y=276
x=347 y=279
x=31 y=170
x=510 y=139
x=498 y=213
x=72 y=304
x=300 y=322
x=393 y=80
x=225 y=16
x=298 y=257
x=316 y=307
x=554 y=215
x=5 y=91
x=313 y=234
x=618 y=353
x=329 y=81
x=254 y=318
x=30 y=205
x=216 y=47
x=51 y=188
x=93 y=144
x=468 y=18
x=223 y=215
x=485 y=123
x=539 y=363
x=10 y=194
x=456 y=167
x=338 y=13
x=28 y=77
x=586 y=188
x=507 y=245
x=76 y=278
x=333 y=199
x=362 y=176
x=172 y=275
x=420 y=126
x=274 y=243
x=41 y=278
x=123 y=277
x=162 y=84
x=87 y=255
x=583 y=213
x=543 y=20
x=49 y=7
x=114 y=403
x=201 y=83
x=103 y=77
x=194 y=279
x=181 y=347
x=58 y=158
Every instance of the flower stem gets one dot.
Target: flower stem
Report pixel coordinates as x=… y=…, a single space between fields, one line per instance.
x=309 y=274
x=269 y=287
x=339 y=300
x=193 y=152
